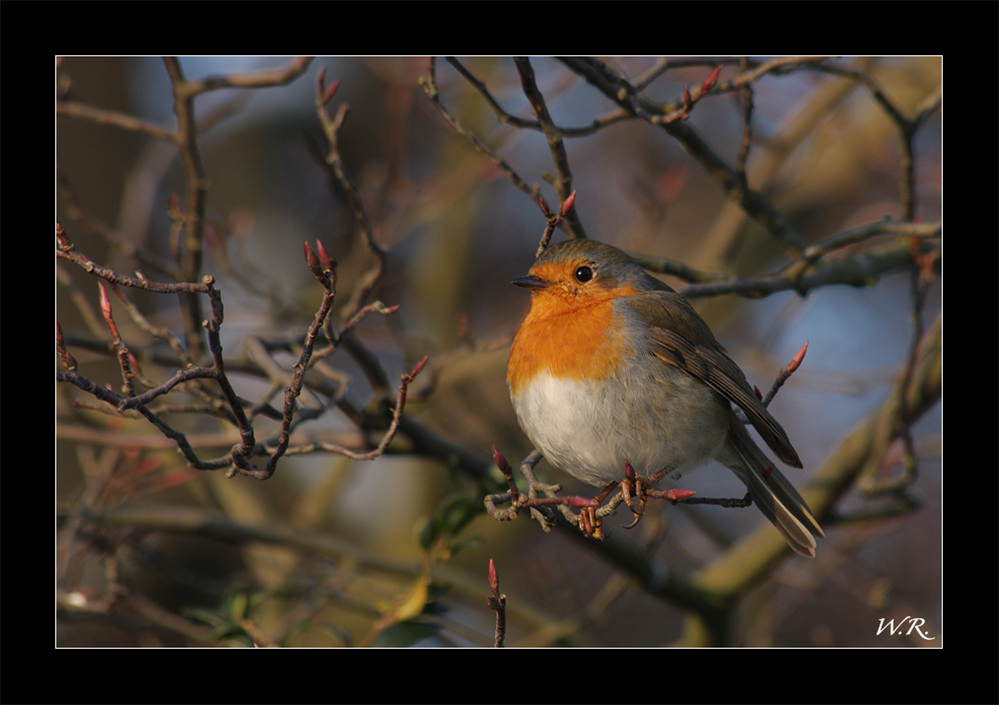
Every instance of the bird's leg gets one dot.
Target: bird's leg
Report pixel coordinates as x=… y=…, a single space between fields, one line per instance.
x=633 y=484
x=599 y=499
x=656 y=477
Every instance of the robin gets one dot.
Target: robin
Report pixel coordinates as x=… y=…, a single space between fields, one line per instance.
x=613 y=365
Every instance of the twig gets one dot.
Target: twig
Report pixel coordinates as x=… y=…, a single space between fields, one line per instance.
x=907 y=128
x=128 y=388
x=802 y=276
x=238 y=457
x=497 y=602
x=325 y=273
x=785 y=374
x=563 y=180
x=68 y=361
x=256 y=79
x=502 y=115
x=617 y=89
x=102 y=116
x=188 y=250
x=552 y=220
x=331 y=128
x=429 y=85
x=67 y=251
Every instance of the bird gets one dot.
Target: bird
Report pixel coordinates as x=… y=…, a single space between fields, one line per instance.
x=612 y=365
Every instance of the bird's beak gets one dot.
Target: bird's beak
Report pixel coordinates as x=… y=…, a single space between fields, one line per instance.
x=531 y=282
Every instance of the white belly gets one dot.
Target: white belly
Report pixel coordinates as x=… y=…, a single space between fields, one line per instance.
x=663 y=418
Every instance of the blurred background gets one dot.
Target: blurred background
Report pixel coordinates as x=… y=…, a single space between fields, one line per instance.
x=394 y=551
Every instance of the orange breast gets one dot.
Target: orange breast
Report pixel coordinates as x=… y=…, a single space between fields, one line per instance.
x=570 y=337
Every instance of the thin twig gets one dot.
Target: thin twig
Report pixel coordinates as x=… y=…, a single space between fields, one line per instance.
x=617 y=89
x=331 y=128
x=563 y=179
x=429 y=84
x=326 y=275
x=497 y=602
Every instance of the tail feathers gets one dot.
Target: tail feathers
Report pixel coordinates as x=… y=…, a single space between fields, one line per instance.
x=784 y=490
x=771 y=491
x=783 y=515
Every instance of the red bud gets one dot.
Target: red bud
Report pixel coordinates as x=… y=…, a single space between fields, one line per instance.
x=325 y=92
x=502 y=463
x=419 y=366
x=793 y=365
x=710 y=81
x=64 y=241
x=323 y=255
x=68 y=361
x=314 y=264
x=331 y=90
x=544 y=206
x=106 y=312
x=134 y=363
x=567 y=205
x=105 y=301
x=493 y=577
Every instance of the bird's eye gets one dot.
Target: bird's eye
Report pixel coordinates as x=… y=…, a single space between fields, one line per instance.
x=583 y=275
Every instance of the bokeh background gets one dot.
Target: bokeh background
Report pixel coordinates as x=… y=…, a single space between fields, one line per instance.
x=824 y=152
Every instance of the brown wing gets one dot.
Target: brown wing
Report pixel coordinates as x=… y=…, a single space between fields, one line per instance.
x=681 y=338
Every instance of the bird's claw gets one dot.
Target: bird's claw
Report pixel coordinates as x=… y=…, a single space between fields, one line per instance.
x=636 y=489
x=590 y=523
